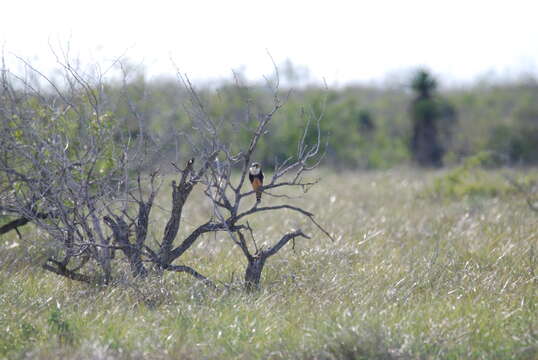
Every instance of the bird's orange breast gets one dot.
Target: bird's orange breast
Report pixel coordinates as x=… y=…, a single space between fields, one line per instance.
x=256 y=183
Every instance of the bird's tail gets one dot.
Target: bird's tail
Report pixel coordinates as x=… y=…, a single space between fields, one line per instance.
x=258 y=196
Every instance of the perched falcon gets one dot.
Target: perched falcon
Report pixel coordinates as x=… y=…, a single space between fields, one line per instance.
x=255 y=175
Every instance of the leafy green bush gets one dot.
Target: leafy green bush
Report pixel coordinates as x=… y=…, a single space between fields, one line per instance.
x=471 y=179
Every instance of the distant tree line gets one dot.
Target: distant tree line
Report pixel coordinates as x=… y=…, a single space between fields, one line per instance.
x=366 y=127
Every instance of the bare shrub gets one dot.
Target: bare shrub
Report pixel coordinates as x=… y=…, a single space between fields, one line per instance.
x=72 y=165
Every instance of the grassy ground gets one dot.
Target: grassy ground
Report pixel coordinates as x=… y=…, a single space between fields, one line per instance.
x=410 y=276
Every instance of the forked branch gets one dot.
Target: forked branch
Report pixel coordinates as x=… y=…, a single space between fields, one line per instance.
x=257 y=261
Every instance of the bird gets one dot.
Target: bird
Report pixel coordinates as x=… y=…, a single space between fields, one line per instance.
x=255 y=175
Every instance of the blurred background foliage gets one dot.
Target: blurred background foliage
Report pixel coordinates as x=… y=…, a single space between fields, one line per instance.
x=366 y=126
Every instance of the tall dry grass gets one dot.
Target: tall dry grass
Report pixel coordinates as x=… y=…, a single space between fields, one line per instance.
x=410 y=276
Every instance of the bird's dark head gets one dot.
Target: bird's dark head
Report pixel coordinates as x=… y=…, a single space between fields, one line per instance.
x=255 y=168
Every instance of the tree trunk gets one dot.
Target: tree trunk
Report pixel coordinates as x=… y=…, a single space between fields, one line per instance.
x=120 y=229
x=137 y=266
x=254 y=273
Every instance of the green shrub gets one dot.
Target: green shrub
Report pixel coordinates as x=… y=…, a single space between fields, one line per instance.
x=471 y=179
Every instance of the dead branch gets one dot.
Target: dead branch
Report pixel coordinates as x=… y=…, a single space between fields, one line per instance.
x=14 y=224
x=283 y=241
x=191 y=271
x=308 y=214
x=200 y=230
x=61 y=269
x=180 y=194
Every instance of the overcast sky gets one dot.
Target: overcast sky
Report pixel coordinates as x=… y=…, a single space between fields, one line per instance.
x=341 y=41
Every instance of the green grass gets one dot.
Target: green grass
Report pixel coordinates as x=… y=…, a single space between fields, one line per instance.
x=409 y=277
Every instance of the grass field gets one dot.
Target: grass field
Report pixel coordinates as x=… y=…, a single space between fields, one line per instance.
x=410 y=276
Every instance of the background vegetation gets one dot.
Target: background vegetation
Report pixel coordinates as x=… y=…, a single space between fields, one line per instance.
x=367 y=127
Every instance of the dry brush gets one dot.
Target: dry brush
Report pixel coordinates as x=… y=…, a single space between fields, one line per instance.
x=70 y=166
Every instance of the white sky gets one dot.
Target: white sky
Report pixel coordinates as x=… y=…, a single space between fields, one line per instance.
x=341 y=41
